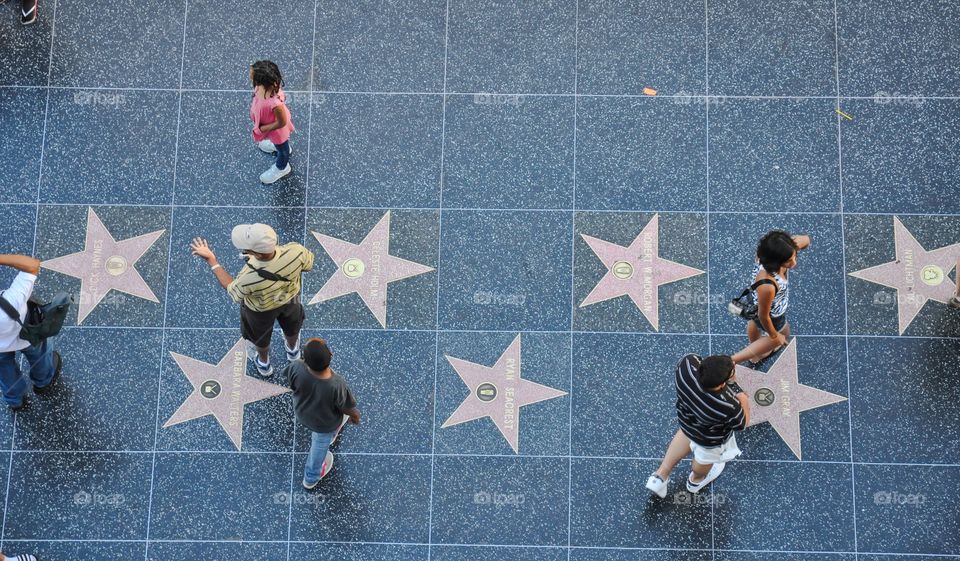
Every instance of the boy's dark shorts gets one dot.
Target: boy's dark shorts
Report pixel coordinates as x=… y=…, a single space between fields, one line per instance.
x=257 y=327
x=778 y=323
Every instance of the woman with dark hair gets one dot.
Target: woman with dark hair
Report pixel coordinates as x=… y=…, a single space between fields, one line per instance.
x=776 y=255
x=271 y=118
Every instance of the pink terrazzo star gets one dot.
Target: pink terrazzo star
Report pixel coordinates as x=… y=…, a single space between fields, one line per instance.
x=221 y=390
x=366 y=268
x=778 y=398
x=918 y=275
x=105 y=264
x=636 y=271
x=498 y=392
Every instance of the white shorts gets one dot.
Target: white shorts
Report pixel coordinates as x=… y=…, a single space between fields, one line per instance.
x=716 y=454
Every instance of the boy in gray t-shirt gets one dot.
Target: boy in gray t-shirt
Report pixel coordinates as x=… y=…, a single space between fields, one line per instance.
x=323 y=403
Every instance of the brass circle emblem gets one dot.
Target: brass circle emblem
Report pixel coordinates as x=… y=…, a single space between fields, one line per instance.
x=622 y=270
x=353 y=267
x=764 y=397
x=931 y=275
x=210 y=389
x=116 y=265
x=486 y=392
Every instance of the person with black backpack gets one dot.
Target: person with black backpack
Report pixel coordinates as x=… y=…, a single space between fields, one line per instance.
x=267 y=289
x=764 y=303
x=45 y=363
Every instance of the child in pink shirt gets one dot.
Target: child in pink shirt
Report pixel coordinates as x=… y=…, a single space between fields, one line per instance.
x=271 y=118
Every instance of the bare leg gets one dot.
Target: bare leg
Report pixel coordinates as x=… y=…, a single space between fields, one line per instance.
x=677 y=450
x=760 y=348
x=292 y=341
x=753 y=332
x=700 y=471
x=264 y=353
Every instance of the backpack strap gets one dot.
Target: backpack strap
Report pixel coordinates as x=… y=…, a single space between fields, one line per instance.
x=268 y=275
x=10 y=310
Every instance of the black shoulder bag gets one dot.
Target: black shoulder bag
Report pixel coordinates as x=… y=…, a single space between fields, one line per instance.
x=746 y=305
x=43 y=320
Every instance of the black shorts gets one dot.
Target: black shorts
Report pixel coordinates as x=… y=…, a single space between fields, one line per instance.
x=257 y=327
x=778 y=323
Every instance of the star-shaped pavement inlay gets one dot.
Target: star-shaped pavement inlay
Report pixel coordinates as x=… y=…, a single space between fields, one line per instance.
x=105 y=264
x=918 y=275
x=221 y=390
x=366 y=268
x=498 y=392
x=637 y=271
x=778 y=398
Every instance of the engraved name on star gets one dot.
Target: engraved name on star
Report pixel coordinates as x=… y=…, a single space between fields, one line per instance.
x=778 y=398
x=636 y=271
x=105 y=264
x=221 y=390
x=498 y=392
x=366 y=268
x=917 y=275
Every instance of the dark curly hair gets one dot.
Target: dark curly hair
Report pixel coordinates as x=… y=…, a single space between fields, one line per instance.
x=267 y=74
x=776 y=247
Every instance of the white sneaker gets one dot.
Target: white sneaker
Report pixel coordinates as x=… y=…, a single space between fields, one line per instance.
x=324 y=471
x=264 y=370
x=273 y=174
x=714 y=473
x=266 y=146
x=658 y=486
x=954 y=302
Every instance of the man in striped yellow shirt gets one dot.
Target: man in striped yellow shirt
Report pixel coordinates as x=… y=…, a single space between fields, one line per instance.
x=267 y=288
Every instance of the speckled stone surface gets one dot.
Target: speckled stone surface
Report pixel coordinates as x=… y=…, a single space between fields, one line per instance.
x=384 y=47
x=220 y=45
x=750 y=517
x=641 y=154
x=21 y=141
x=221 y=497
x=77 y=495
x=505 y=151
x=616 y=38
x=24 y=59
x=364 y=499
x=757 y=48
x=500 y=500
x=102 y=403
x=774 y=155
x=900 y=156
x=899 y=48
x=121 y=44
x=104 y=146
x=916 y=404
x=610 y=507
x=907 y=509
x=375 y=151
x=513 y=145
x=524 y=280
x=509 y=47
x=218 y=154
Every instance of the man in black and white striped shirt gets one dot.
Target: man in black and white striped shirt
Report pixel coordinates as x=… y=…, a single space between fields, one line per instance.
x=710 y=407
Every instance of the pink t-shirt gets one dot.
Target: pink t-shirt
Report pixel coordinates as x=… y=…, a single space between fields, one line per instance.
x=261 y=112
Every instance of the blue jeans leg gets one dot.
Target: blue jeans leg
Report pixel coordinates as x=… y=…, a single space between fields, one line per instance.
x=319 y=444
x=40 y=358
x=283 y=154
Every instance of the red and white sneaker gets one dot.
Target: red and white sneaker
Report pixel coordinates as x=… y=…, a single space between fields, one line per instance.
x=325 y=469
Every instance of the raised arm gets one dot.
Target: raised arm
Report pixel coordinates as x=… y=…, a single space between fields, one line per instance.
x=21 y=263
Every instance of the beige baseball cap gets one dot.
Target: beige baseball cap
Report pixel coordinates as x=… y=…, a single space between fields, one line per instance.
x=254 y=237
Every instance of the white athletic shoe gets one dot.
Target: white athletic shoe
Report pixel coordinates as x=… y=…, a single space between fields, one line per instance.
x=266 y=146
x=714 y=473
x=324 y=471
x=658 y=486
x=273 y=174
